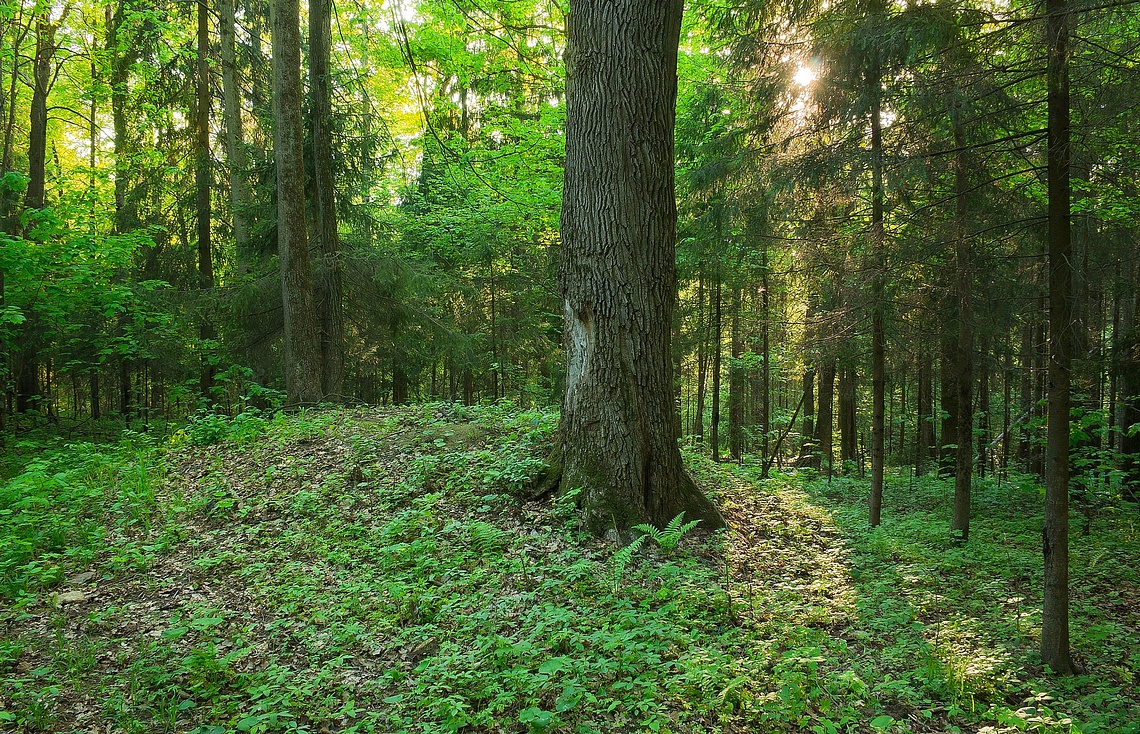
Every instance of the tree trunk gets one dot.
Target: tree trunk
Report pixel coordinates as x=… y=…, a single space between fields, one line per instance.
x=616 y=273
x=981 y=453
x=202 y=186
x=736 y=383
x=702 y=363
x=964 y=362
x=1055 y=533
x=808 y=431
x=824 y=424
x=848 y=439
x=302 y=342
x=948 y=391
x=924 y=436
x=96 y=413
x=714 y=421
x=878 y=305
x=238 y=162
x=28 y=388
x=766 y=351
x=330 y=298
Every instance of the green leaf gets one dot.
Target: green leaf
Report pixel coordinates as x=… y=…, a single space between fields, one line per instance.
x=882 y=722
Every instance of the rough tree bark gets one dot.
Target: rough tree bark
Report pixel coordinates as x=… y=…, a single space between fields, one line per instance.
x=202 y=187
x=847 y=429
x=616 y=272
x=236 y=157
x=824 y=424
x=28 y=388
x=330 y=301
x=736 y=383
x=878 y=304
x=1055 y=533
x=302 y=343
x=964 y=362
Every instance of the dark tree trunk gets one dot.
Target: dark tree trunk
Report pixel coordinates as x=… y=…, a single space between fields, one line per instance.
x=616 y=273
x=824 y=424
x=1055 y=533
x=202 y=186
x=1027 y=406
x=948 y=392
x=96 y=413
x=702 y=362
x=330 y=299
x=1127 y=373
x=964 y=361
x=848 y=440
x=236 y=159
x=878 y=305
x=714 y=420
x=736 y=384
x=766 y=351
x=982 y=454
x=302 y=341
x=28 y=388
x=808 y=431
x=924 y=436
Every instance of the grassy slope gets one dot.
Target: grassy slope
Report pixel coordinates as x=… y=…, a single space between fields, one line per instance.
x=369 y=571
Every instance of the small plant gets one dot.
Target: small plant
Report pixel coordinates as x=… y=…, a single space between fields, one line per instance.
x=668 y=537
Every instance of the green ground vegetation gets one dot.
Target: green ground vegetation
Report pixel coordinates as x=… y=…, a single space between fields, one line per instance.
x=374 y=570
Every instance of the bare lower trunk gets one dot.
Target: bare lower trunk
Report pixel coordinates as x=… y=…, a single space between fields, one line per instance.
x=848 y=440
x=823 y=426
x=330 y=300
x=1055 y=533
x=235 y=144
x=878 y=304
x=964 y=362
x=202 y=185
x=302 y=342
x=924 y=436
x=736 y=384
x=616 y=273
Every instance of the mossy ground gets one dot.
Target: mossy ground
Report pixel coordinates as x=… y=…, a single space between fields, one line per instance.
x=372 y=570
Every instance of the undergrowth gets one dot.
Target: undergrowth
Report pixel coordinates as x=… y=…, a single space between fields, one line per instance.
x=374 y=571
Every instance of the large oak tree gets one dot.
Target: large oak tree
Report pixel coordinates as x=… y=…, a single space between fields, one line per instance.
x=617 y=273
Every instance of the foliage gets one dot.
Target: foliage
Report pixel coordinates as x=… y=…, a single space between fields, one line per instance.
x=369 y=570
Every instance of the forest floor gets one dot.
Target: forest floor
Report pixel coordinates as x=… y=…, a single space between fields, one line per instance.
x=371 y=570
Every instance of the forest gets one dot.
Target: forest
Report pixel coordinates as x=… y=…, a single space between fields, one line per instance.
x=570 y=366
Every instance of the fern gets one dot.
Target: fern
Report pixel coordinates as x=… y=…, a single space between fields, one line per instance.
x=668 y=538
x=486 y=539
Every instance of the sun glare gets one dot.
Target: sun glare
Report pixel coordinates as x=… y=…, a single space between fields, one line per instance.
x=804 y=76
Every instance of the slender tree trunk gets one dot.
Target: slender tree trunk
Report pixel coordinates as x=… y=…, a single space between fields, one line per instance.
x=1055 y=615
x=848 y=438
x=983 y=408
x=878 y=304
x=964 y=362
x=714 y=423
x=236 y=158
x=616 y=273
x=736 y=383
x=96 y=413
x=824 y=425
x=1027 y=406
x=28 y=387
x=302 y=340
x=766 y=350
x=948 y=391
x=330 y=298
x=202 y=186
x=924 y=436
x=702 y=362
